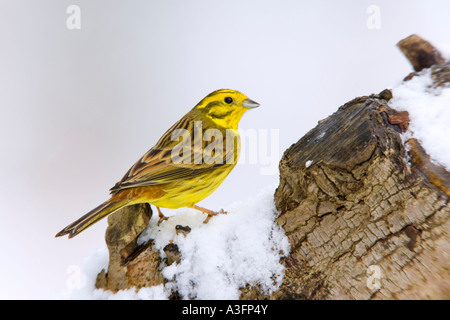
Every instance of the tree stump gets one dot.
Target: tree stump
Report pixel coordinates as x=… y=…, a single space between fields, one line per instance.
x=364 y=220
x=359 y=213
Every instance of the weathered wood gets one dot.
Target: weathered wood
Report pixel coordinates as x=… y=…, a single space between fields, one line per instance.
x=360 y=206
x=365 y=209
x=420 y=52
x=129 y=265
x=435 y=174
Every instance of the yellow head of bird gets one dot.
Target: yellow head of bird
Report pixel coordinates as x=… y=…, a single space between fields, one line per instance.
x=225 y=107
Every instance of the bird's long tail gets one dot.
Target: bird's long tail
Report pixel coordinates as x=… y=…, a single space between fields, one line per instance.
x=92 y=217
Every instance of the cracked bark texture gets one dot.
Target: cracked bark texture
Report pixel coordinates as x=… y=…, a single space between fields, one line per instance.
x=360 y=204
x=363 y=208
x=129 y=265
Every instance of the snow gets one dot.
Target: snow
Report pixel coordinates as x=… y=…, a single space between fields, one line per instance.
x=232 y=250
x=429 y=112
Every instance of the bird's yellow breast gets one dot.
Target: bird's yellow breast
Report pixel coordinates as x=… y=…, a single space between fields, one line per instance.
x=191 y=191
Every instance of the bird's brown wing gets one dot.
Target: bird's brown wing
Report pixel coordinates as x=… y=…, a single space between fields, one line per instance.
x=163 y=164
x=156 y=167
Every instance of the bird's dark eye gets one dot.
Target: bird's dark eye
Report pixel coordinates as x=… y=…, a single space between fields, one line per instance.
x=228 y=100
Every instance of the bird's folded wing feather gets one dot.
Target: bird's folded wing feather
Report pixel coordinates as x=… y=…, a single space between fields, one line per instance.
x=156 y=167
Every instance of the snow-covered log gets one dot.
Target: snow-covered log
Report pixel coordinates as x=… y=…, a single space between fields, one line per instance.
x=363 y=200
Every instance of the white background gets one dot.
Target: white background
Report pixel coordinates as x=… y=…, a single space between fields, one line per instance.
x=79 y=107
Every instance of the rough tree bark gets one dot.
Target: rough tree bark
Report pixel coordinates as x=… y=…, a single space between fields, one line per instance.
x=363 y=210
x=365 y=218
x=130 y=265
x=359 y=209
x=420 y=52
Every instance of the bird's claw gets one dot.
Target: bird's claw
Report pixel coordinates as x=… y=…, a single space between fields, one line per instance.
x=221 y=211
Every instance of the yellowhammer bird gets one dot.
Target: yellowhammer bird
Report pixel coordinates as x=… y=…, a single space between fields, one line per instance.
x=186 y=165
